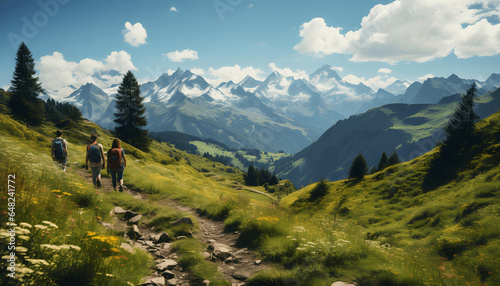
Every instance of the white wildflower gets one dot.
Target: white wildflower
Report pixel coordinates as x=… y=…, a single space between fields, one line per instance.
x=21 y=230
x=25 y=224
x=40 y=226
x=110 y=275
x=77 y=248
x=24 y=237
x=50 y=224
x=21 y=249
x=50 y=246
x=38 y=261
x=64 y=247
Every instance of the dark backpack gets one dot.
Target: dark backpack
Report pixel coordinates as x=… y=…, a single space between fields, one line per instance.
x=94 y=153
x=115 y=158
x=59 y=153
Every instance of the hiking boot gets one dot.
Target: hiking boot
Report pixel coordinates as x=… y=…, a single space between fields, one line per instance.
x=98 y=183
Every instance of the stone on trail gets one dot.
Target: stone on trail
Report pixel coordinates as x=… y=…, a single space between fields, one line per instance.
x=172 y=282
x=134 y=233
x=221 y=251
x=257 y=262
x=129 y=214
x=154 y=281
x=161 y=237
x=119 y=210
x=183 y=220
x=167 y=264
x=340 y=283
x=205 y=282
x=127 y=247
x=168 y=274
x=135 y=219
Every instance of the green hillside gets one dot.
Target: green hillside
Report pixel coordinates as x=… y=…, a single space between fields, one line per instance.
x=446 y=236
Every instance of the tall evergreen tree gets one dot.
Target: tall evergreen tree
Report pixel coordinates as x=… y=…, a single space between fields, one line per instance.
x=383 y=163
x=455 y=148
x=130 y=116
x=359 y=168
x=393 y=159
x=252 y=177
x=24 y=102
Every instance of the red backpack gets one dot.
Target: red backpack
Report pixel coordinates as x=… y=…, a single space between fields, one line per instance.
x=115 y=158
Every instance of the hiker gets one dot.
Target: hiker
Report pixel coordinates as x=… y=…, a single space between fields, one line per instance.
x=116 y=163
x=59 y=150
x=95 y=155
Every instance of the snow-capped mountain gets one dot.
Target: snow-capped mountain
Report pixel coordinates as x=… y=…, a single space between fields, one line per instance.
x=249 y=83
x=398 y=87
x=90 y=99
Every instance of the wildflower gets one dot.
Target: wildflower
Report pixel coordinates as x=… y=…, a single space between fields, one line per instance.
x=55 y=191
x=91 y=233
x=21 y=230
x=50 y=246
x=64 y=247
x=38 y=261
x=67 y=194
x=24 y=224
x=77 y=248
x=40 y=226
x=50 y=224
x=115 y=249
x=21 y=249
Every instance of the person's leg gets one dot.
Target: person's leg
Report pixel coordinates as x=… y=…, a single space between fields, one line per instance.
x=95 y=173
x=113 y=178
x=120 y=178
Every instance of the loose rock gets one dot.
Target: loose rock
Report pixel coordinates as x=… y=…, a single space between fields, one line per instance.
x=135 y=219
x=183 y=220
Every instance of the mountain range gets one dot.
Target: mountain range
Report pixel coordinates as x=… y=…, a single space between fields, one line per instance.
x=409 y=129
x=278 y=113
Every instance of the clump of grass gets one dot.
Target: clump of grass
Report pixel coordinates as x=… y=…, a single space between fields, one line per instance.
x=192 y=259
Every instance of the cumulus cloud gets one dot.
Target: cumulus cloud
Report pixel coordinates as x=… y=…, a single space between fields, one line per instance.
x=339 y=69
x=186 y=54
x=385 y=70
x=374 y=83
x=197 y=71
x=135 y=34
x=425 y=77
x=297 y=74
x=410 y=30
x=56 y=73
x=235 y=73
x=173 y=9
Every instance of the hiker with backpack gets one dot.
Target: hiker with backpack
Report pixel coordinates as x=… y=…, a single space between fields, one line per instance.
x=59 y=150
x=116 y=163
x=95 y=160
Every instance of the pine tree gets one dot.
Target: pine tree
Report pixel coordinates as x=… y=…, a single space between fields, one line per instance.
x=252 y=177
x=24 y=102
x=130 y=116
x=383 y=163
x=394 y=159
x=358 y=168
x=455 y=148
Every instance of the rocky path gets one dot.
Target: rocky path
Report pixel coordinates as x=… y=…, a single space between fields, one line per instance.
x=236 y=264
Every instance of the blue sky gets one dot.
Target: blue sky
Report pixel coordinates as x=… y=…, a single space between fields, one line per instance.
x=375 y=42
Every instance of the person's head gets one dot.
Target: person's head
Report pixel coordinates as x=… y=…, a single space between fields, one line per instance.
x=116 y=143
x=58 y=133
x=93 y=138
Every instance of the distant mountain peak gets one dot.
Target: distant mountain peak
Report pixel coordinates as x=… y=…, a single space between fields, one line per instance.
x=454 y=78
x=326 y=71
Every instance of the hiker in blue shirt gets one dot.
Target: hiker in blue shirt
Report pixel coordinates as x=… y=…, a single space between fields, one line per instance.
x=116 y=163
x=95 y=155
x=59 y=150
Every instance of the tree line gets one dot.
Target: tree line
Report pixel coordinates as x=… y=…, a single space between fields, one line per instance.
x=256 y=177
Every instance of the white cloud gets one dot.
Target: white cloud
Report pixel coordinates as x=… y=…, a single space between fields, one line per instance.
x=197 y=71
x=374 y=83
x=410 y=30
x=297 y=74
x=385 y=70
x=186 y=54
x=56 y=72
x=339 y=69
x=234 y=73
x=425 y=77
x=135 y=34
x=173 y=9
x=250 y=6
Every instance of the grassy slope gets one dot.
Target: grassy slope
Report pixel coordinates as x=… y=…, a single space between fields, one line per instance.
x=458 y=222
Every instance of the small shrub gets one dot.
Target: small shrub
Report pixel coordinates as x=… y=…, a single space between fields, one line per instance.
x=319 y=191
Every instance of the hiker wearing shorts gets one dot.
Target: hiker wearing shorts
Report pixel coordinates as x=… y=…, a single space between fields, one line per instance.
x=59 y=150
x=95 y=160
x=116 y=164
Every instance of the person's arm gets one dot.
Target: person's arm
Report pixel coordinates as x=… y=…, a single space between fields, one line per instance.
x=107 y=165
x=65 y=145
x=124 y=160
x=102 y=156
x=52 y=150
x=87 y=158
